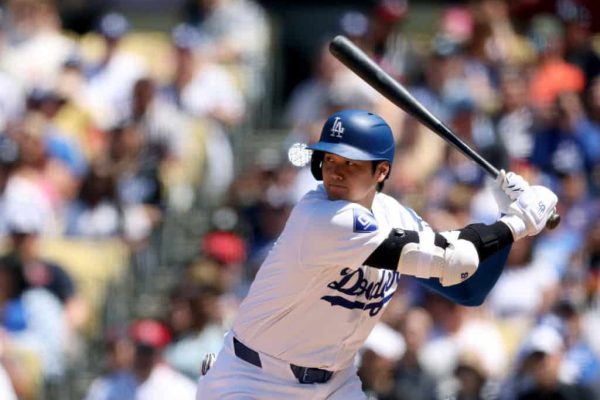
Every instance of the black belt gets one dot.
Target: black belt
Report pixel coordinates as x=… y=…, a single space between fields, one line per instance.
x=303 y=374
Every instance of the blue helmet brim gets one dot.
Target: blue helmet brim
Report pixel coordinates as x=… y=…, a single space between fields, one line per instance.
x=346 y=151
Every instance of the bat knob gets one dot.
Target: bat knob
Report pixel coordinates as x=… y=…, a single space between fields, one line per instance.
x=553 y=221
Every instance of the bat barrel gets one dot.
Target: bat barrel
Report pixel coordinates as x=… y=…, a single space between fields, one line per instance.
x=363 y=66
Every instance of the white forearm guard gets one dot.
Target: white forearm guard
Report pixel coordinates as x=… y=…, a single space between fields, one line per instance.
x=452 y=265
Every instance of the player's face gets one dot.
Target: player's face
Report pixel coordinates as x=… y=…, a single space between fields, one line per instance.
x=352 y=180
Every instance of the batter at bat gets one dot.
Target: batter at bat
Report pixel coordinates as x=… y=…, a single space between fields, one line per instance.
x=337 y=263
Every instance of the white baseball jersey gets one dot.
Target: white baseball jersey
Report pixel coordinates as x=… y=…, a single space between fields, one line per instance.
x=313 y=302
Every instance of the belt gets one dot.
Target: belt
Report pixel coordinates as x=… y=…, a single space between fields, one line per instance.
x=303 y=374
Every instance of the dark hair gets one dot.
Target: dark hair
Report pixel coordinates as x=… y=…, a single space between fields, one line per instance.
x=14 y=268
x=97 y=185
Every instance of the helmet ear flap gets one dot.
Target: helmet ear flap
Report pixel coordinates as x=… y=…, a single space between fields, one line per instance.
x=316 y=163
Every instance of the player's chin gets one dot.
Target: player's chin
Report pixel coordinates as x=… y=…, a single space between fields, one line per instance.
x=337 y=192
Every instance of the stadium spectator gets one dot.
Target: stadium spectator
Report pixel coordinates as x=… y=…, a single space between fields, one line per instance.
x=537 y=372
x=527 y=288
x=24 y=228
x=196 y=321
x=138 y=369
x=411 y=380
x=110 y=80
x=34 y=323
x=205 y=90
x=235 y=33
x=95 y=212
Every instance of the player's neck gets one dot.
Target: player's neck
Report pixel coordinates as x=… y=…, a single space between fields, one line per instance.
x=367 y=201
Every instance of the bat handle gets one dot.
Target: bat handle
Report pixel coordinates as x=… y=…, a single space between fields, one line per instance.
x=554 y=220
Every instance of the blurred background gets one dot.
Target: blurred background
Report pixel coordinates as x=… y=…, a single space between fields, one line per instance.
x=144 y=178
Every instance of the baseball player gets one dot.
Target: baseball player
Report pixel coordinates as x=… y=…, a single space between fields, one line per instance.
x=336 y=265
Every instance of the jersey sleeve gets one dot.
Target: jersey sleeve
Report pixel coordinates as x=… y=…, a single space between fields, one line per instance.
x=340 y=235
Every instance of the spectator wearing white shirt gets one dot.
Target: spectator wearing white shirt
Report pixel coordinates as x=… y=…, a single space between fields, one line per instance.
x=383 y=348
x=461 y=331
x=198 y=308
x=236 y=33
x=163 y=125
x=33 y=319
x=527 y=288
x=95 y=213
x=12 y=100
x=206 y=91
x=37 y=48
x=111 y=80
x=157 y=380
x=143 y=375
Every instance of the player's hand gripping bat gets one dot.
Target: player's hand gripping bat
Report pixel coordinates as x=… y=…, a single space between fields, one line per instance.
x=361 y=64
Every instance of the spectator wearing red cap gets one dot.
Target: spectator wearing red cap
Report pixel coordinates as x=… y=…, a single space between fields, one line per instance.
x=227 y=252
x=225 y=247
x=140 y=372
x=156 y=379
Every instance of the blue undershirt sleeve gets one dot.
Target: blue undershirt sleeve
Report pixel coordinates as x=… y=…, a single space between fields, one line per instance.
x=474 y=290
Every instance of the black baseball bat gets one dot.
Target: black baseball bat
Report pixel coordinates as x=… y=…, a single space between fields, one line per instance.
x=362 y=65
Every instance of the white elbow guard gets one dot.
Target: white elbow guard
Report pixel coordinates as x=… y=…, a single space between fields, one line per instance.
x=452 y=265
x=461 y=260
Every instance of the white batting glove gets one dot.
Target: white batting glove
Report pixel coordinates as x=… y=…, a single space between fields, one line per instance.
x=507 y=188
x=527 y=216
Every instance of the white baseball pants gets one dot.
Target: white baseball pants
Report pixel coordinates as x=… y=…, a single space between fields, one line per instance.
x=232 y=378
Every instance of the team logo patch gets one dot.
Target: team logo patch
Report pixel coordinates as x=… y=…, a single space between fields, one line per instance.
x=364 y=221
x=337 y=129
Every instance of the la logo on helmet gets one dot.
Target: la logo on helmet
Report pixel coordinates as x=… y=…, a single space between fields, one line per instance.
x=337 y=129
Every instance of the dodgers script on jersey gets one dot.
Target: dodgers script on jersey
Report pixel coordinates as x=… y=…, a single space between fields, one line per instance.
x=313 y=303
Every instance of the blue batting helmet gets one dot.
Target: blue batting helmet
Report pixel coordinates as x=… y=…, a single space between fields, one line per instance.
x=356 y=135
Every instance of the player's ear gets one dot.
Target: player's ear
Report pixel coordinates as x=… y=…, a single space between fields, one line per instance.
x=382 y=171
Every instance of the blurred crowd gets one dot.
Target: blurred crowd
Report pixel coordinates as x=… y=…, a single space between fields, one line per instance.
x=107 y=136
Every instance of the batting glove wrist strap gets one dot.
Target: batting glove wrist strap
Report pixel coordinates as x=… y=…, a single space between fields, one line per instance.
x=516 y=225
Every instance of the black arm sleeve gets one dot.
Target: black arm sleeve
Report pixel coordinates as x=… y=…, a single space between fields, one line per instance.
x=387 y=255
x=488 y=239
